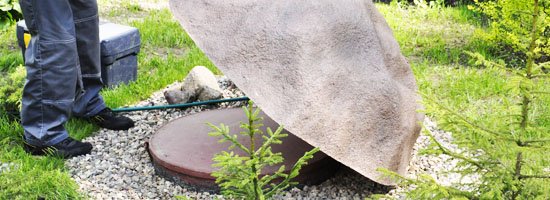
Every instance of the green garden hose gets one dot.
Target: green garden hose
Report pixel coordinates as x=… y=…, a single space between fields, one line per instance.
x=163 y=107
x=184 y=105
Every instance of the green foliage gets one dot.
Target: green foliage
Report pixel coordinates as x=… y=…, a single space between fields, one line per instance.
x=12 y=73
x=10 y=60
x=431 y=4
x=159 y=65
x=160 y=29
x=11 y=88
x=30 y=177
x=10 y=54
x=432 y=32
x=239 y=176
x=504 y=133
x=10 y=11
x=134 y=8
x=507 y=32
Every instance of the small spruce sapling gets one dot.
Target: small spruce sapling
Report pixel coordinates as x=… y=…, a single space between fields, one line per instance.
x=239 y=176
x=509 y=154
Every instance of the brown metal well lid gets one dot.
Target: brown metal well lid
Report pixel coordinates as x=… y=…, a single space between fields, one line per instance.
x=183 y=150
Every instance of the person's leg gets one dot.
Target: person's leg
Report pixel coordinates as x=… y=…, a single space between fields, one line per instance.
x=86 y=19
x=89 y=104
x=51 y=60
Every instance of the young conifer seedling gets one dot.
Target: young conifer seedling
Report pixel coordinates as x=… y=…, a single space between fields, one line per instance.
x=508 y=154
x=239 y=176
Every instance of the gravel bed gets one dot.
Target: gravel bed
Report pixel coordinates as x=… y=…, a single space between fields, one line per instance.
x=119 y=166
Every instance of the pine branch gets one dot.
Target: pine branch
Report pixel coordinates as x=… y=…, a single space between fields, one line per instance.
x=468 y=121
x=526 y=100
x=511 y=115
x=293 y=172
x=539 y=147
x=252 y=130
x=540 y=92
x=455 y=155
x=519 y=161
x=482 y=61
x=268 y=178
x=224 y=132
x=236 y=143
x=541 y=76
x=273 y=137
x=532 y=45
x=527 y=142
x=418 y=182
x=525 y=112
x=534 y=176
x=517 y=175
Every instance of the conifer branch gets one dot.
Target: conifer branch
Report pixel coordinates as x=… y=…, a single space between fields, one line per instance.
x=421 y=181
x=534 y=176
x=541 y=92
x=223 y=131
x=453 y=154
x=527 y=142
x=525 y=112
x=482 y=61
x=541 y=76
x=516 y=130
x=519 y=161
x=468 y=121
x=239 y=177
x=273 y=138
x=293 y=172
x=526 y=100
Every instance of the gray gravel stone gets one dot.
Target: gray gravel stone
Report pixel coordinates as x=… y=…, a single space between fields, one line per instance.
x=119 y=166
x=6 y=167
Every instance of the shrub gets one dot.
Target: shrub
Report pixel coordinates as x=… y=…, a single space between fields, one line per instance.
x=505 y=150
x=507 y=22
x=440 y=2
x=10 y=11
x=11 y=88
x=239 y=176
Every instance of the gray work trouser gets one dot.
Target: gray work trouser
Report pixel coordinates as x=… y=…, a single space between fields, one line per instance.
x=63 y=67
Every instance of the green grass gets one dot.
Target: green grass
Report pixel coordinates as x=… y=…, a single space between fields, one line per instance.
x=475 y=92
x=156 y=70
x=432 y=39
x=121 y=8
x=439 y=35
x=165 y=32
x=134 y=8
x=10 y=54
x=167 y=55
x=32 y=177
x=484 y=95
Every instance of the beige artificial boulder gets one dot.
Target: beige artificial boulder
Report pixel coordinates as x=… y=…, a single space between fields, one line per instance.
x=330 y=71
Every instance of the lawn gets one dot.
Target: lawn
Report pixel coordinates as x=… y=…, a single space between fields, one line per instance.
x=166 y=56
x=433 y=39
